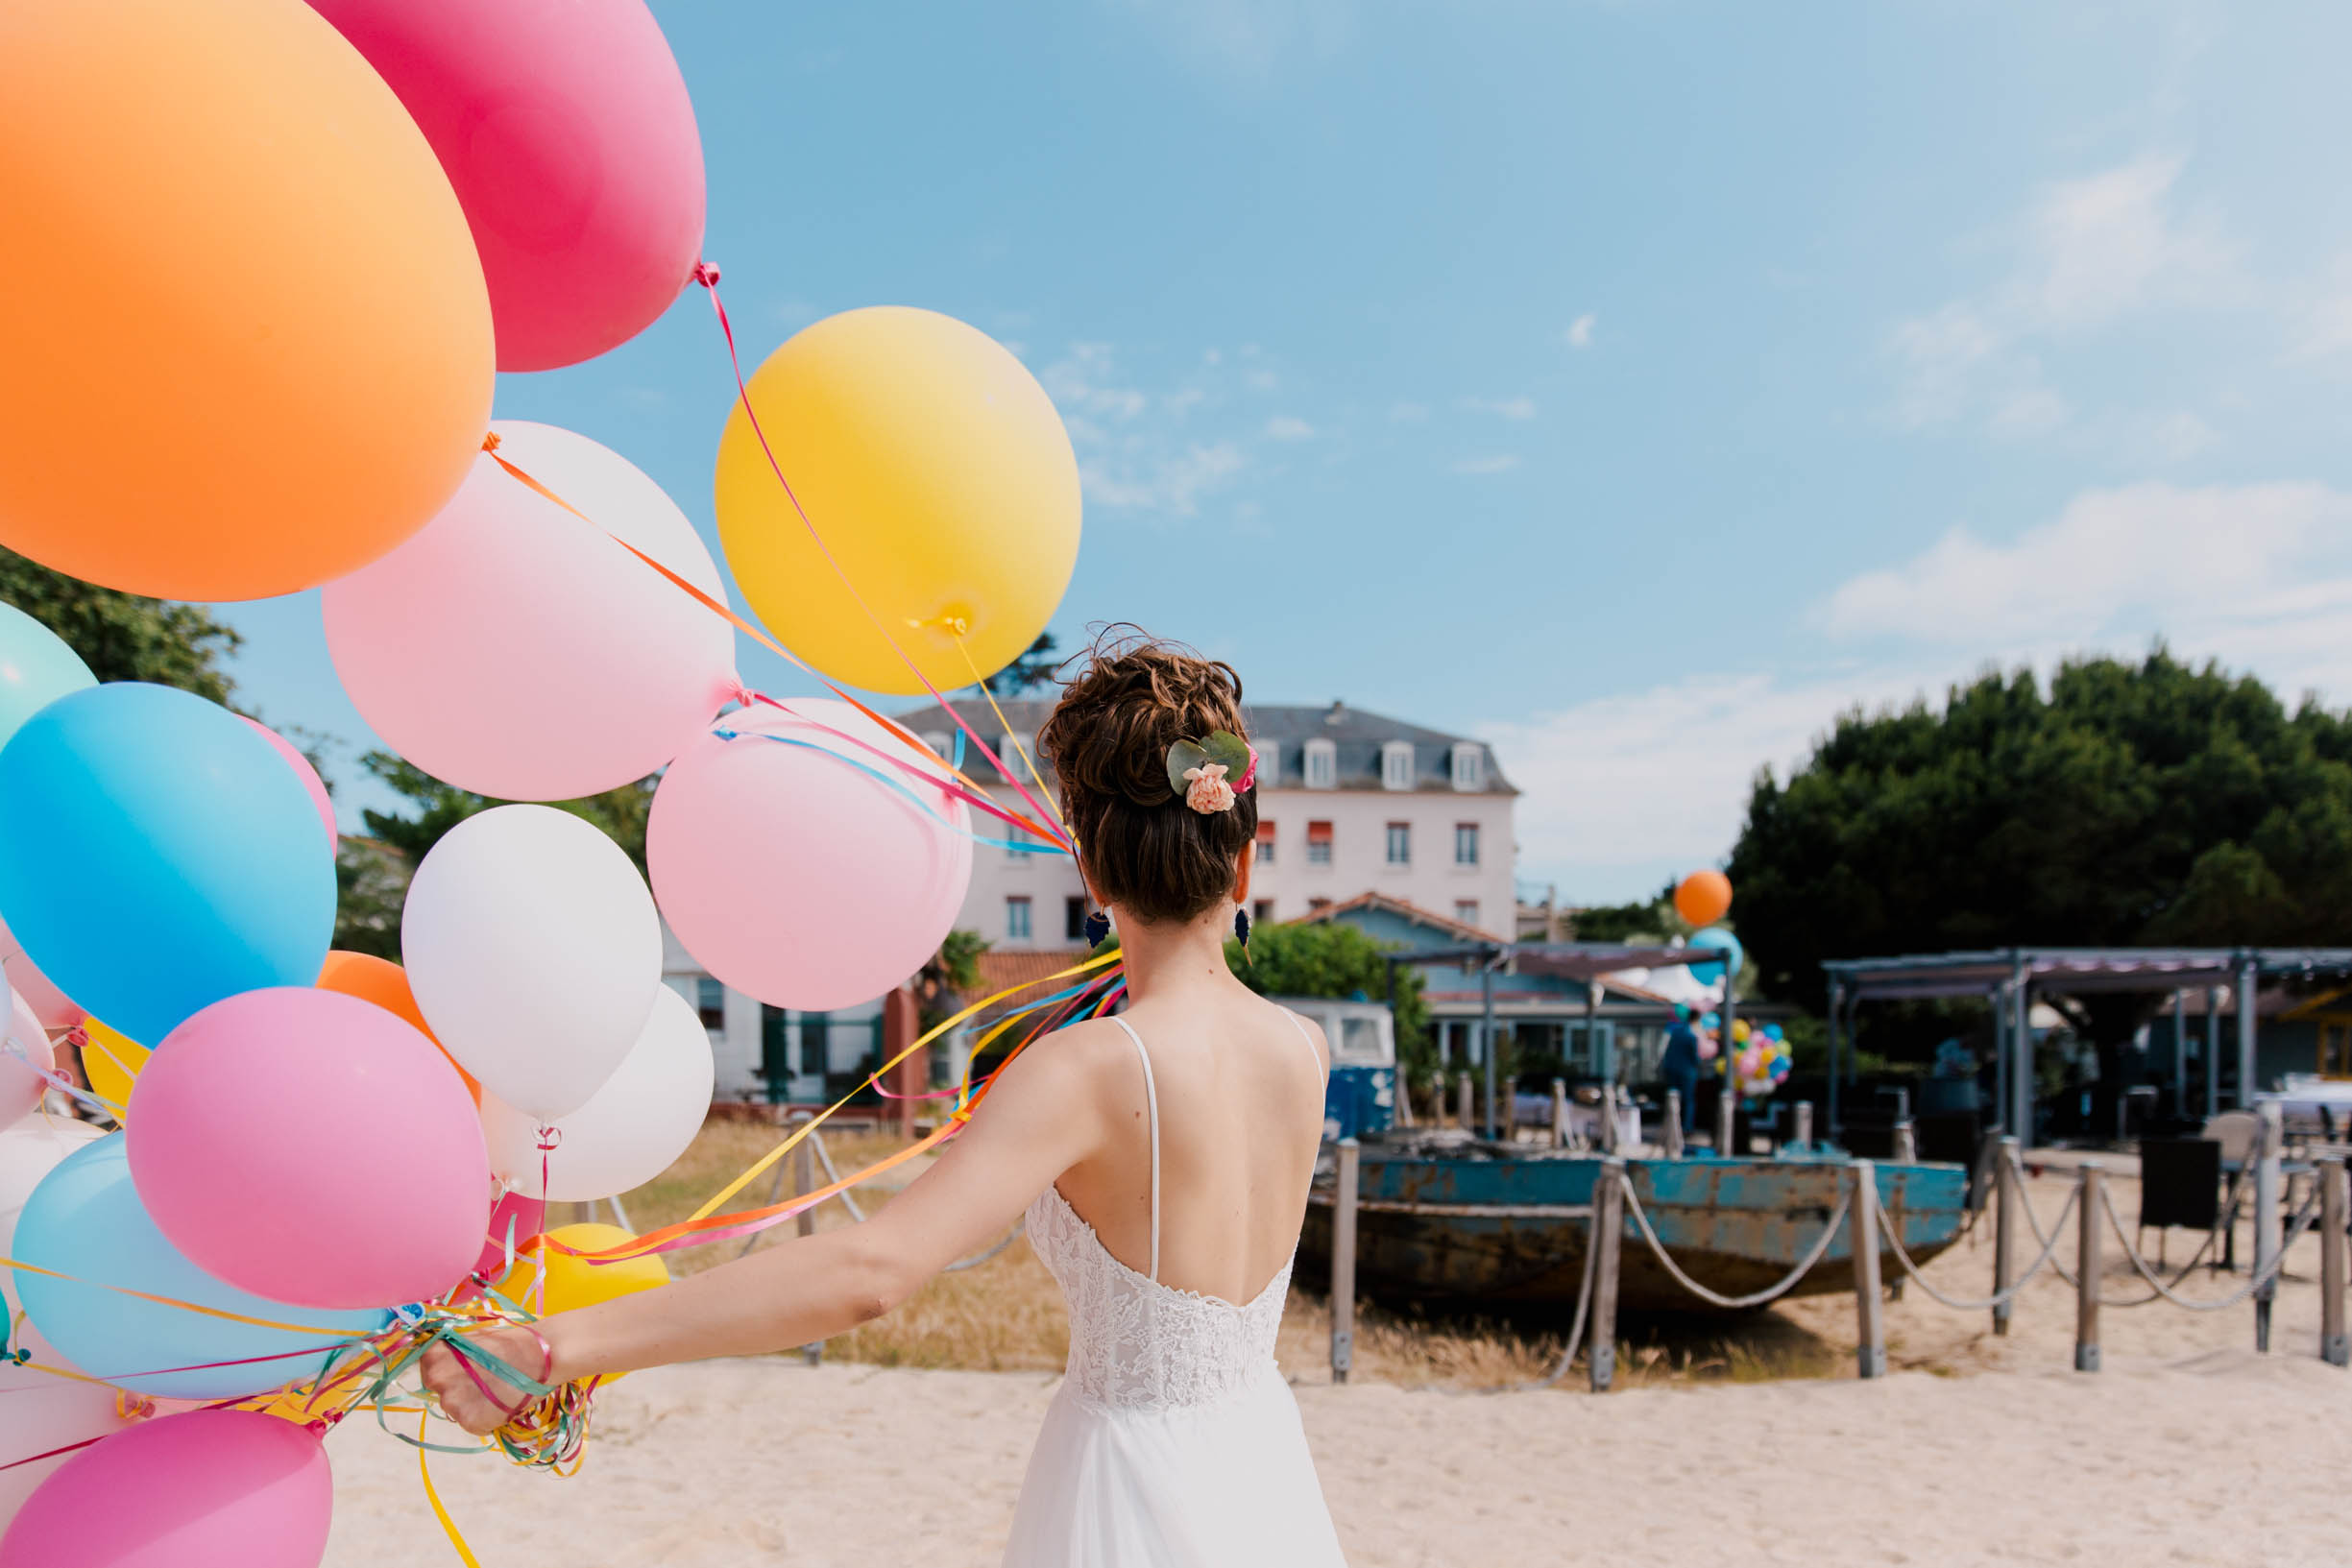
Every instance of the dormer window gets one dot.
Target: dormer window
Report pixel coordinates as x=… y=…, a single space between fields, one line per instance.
x=941 y=743
x=1470 y=767
x=1322 y=765
x=1015 y=747
x=1396 y=765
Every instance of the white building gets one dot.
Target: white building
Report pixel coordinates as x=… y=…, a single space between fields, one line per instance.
x=1348 y=802
x=774 y=1053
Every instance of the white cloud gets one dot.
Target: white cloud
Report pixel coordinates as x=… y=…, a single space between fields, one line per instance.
x=1408 y=413
x=1623 y=792
x=1135 y=447
x=1289 y=427
x=1497 y=463
x=1173 y=483
x=2167 y=555
x=1506 y=408
x=2112 y=243
x=1246 y=39
x=1579 y=334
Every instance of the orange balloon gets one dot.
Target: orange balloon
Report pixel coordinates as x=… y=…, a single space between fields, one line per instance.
x=1704 y=897
x=385 y=983
x=245 y=345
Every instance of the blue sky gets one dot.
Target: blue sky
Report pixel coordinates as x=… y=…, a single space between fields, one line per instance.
x=1635 y=385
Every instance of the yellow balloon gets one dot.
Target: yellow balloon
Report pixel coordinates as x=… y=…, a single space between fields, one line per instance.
x=1740 y=1030
x=940 y=479
x=111 y=1061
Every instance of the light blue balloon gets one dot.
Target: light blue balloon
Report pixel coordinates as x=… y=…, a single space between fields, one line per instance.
x=1772 y=1031
x=85 y=1219
x=1715 y=937
x=36 y=670
x=157 y=855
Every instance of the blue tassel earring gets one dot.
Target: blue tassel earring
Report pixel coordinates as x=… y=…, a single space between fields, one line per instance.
x=1241 y=929
x=1098 y=928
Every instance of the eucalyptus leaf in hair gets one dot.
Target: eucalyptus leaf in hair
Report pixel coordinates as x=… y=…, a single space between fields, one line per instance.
x=1223 y=746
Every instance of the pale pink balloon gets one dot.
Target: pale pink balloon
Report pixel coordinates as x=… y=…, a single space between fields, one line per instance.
x=311 y=1147
x=199 y=1489
x=54 y=1008
x=514 y=1218
x=303 y=770
x=21 y=1085
x=791 y=872
x=565 y=128
x=510 y=648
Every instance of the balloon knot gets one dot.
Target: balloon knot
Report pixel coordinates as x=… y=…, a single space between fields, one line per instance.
x=705 y=274
x=490 y=441
x=551 y=1138
x=131 y=1407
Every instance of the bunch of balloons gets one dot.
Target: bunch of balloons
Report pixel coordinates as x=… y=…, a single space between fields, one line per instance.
x=317 y=231
x=1758 y=1060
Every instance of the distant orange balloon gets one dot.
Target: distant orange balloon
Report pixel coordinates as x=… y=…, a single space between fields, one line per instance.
x=245 y=343
x=1704 y=897
x=385 y=983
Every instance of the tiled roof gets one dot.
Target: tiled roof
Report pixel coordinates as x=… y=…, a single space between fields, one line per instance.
x=1402 y=906
x=1280 y=732
x=1002 y=970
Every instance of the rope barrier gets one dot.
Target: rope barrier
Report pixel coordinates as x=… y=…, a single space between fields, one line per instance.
x=1780 y=1287
x=979 y=1258
x=1583 y=1302
x=2050 y=1251
x=2259 y=1278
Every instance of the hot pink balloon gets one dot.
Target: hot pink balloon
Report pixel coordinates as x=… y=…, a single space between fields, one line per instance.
x=21 y=1084
x=565 y=128
x=311 y=1147
x=514 y=1217
x=203 y=1487
x=790 y=871
x=512 y=649
x=54 y=1008
x=303 y=770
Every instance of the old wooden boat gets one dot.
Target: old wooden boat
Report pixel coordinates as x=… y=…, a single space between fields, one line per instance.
x=1460 y=1224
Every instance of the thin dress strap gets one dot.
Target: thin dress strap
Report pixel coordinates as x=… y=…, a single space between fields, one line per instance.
x=1150 y=1096
x=1314 y=1057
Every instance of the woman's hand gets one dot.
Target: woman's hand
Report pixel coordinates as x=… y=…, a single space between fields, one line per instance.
x=475 y=1396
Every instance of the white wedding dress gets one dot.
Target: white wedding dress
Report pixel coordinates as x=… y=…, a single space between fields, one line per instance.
x=1174 y=1442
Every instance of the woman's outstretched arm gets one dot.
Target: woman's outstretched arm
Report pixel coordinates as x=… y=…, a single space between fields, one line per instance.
x=1042 y=1115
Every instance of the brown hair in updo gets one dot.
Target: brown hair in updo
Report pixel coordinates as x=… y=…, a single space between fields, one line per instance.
x=1140 y=846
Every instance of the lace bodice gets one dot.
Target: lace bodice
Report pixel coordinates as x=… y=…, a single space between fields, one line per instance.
x=1136 y=1342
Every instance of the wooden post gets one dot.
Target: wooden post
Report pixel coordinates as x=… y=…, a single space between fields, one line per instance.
x=1727 y=1116
x=1672 y=1133
x=2090 y=1263
x=1607 y=1233
x=804 y=1182
x=1344 y=1260
x=1870 y=1318
x=901 y=1025
x=2334 y=1348
x=2005 y=1199
x=1804 y=1140
x=2266 y=1220
x=1560 y=1112
x=1464 y=1116
x=1907 y=1143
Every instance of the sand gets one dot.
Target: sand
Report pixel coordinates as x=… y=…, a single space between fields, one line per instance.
x=2187 y=1448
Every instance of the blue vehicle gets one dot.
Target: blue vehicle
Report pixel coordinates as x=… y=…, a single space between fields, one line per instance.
x=1361 y=1099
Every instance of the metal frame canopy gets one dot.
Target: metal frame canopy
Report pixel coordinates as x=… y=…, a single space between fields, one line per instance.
x=1585 y=961
x=2009 y=978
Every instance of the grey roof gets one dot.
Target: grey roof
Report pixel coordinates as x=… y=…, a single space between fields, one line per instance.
x=1280 y=732
x=2074 y=971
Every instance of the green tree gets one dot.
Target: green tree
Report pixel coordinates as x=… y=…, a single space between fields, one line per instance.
x=2132 y=804
x=944 y=985
x=1651 y=920
x=1324 y=958
x=123 y=636
x=1034 y=669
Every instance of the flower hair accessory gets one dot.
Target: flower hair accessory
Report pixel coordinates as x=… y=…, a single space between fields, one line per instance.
x=1208 y=774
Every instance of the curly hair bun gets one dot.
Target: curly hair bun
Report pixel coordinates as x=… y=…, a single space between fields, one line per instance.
x=1140 y=846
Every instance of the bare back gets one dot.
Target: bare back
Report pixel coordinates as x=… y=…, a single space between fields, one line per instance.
x=1237 y=1085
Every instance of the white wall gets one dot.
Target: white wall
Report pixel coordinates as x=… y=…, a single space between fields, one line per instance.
x=735 y=1047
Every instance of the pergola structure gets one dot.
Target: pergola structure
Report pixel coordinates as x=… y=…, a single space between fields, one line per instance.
x=1582 y=961
x=2008 y=979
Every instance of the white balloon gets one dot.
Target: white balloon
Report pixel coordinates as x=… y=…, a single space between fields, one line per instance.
x=26 y=1049
x=533 y=949
x=40 y=1411
x=642 y=1118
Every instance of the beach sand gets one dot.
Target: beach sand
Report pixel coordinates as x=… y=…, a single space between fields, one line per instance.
x=2188 y=1448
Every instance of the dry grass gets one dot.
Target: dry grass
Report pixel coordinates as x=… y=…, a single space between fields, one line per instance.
x=1006 y=1314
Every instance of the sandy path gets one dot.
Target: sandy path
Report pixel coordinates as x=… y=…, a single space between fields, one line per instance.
x=2221 y=1458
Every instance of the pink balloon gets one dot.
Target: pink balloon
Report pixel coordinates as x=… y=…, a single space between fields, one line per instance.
x=20 y=1085
x=54 y=1008
x=523 y=1218
x=791 y=872
x=309 y=776
x=201 y=1488
x=311 y=1147
x=565 y=128
x=511 y=648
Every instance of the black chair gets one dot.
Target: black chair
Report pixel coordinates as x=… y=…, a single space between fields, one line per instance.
x=2180 y=1184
